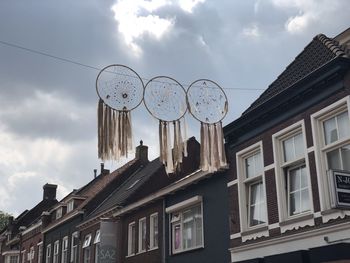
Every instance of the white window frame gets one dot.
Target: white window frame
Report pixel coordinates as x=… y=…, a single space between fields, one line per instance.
x=23 y=255
x=56 y=252
x=321 y=149
x=131 y=238
x=40 y=252
x=64 y=256
x=31 y=254
x=244 y=184
x=9 y=257
x=97 y=241
x=152 y=224
x=281 y=181
x=48 y=254
x=74 y=248
x=142 y=222
x=59 y=212
x=179 y=209
x=70 y=206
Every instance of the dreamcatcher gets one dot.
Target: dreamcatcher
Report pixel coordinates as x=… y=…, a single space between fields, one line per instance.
x=207 y=102
x=165 y=99
x=120 y=90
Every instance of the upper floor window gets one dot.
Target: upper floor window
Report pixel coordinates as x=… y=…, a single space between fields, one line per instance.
x=56 y=249
x=40 y=252
x=331 y=132
x=31 y=255
x=131 y=239
x=65 y=250
x=251 y=187
x=97 y=245
x=153 y=231
x=186 y=221
x=74 y=248
x=59 y=212
x=12 y=259
x=48 y=253
x=87 y=249
x=70 y=206
x=142 y=235
x=292 y=174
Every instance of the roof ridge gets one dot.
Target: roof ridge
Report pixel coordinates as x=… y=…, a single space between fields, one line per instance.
x=332 y=45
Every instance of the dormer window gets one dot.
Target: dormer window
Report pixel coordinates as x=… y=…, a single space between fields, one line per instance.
x=59 y=213
x=70 y=206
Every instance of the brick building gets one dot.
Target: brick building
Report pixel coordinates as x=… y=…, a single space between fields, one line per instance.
x=284 y=148
x=21 y=241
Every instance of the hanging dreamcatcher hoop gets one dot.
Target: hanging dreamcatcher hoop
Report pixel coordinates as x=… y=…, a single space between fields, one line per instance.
x=165 y=100
x=120 y=90
x=207 y=102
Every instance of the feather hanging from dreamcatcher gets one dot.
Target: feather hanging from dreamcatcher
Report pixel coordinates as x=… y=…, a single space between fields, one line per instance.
x=120 y=90
x=165 y=99
x=207 y=102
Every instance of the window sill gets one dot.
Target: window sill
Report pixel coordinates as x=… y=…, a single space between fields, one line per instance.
x=297 y=222
x=187 y=250
x=333 y=214
x=153 y=248
x=254 y=233
x=131 y=255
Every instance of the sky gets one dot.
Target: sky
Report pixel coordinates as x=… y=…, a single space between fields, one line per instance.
x=48 y=117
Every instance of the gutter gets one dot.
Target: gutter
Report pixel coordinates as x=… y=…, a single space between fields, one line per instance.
x=72 y=215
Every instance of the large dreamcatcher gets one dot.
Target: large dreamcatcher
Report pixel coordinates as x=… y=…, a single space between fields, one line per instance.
x=165 y=99
x=207 y=102
x=120 y=90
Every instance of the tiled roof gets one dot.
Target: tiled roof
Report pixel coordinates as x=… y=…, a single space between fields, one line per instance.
x=133 y=184
x=319 y=52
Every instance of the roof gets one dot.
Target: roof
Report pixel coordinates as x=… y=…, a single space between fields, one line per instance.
x=131 y=185
x=317 y=53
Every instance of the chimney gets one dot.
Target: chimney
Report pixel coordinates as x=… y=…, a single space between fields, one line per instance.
x=142 y=153
x=95 y=173
x=49 y=192
x=103 y=170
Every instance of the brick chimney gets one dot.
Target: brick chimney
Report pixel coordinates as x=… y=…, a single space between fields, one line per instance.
x=49 y=192
x=142 y=153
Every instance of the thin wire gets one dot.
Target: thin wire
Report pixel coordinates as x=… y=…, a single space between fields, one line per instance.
x=92 y=67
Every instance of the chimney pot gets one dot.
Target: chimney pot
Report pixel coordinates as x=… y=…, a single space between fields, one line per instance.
x=102 y=167
x=142 y=153
x=95 y=173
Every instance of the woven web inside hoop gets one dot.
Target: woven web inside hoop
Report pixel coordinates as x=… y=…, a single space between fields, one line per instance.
x=119 y=87
x=207 y=102
x=165 y=98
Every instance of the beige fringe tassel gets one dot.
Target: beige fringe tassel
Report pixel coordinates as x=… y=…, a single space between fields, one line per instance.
x=114 y=132
x=172 y=159
x=213 y=155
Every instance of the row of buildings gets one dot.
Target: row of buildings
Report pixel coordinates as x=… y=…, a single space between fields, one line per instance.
x=284 y=197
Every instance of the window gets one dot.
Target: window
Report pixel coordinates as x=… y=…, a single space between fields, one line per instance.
x=251 y=188
x=186 y=223
x=70 y=206
x=59 y=213
x=131 y=239
x=56 y=251
x=153 y=231
x=74 y=248
x=331 y=131
x=23 y=255
x=48 y=254
x=65 y=250
x=31 y=255
x=142 y=235
x=87 y=249
x=13 y=259
x=97 y=245
x=292 y=173
x=40 y=252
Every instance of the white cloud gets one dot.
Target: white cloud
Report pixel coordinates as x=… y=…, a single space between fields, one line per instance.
x=309 y=13
x=252 y=31
x=138 y=17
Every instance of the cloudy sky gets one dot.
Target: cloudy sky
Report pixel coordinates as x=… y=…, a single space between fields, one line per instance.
x=48 y=106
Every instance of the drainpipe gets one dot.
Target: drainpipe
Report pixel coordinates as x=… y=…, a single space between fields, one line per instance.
x=164 y=236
